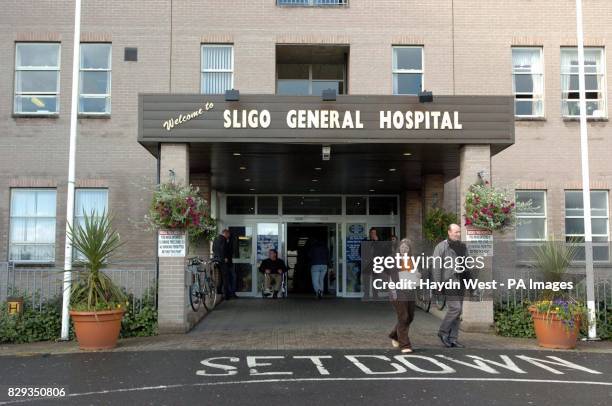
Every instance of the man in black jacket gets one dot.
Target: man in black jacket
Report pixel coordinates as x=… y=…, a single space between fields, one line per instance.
x=222 y=252
x=273 y=268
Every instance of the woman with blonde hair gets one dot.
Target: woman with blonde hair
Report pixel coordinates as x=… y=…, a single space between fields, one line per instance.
x=403 y=301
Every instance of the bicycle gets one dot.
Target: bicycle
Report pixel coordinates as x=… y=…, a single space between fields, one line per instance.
x=203 y=289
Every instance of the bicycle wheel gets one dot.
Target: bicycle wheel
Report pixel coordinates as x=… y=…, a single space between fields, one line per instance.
x=210 y=292
x=195 y=295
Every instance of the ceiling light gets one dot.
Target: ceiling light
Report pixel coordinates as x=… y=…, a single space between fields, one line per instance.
x=392 y=169
x=252 y=189
x=315 y=180
x=247 y=180
x=312 y=190
x=381 y=180
x=237 y=154
x=407 y=153
x=243 y=168
x=372 y=190
x=317 y=169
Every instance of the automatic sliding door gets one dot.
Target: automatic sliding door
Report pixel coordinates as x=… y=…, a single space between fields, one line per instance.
x=268 y=237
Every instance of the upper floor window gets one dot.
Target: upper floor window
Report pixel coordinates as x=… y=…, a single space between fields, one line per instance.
x=531 y=222
x=217 y=68
x=595 y=88
x=32 y=229
x=312 y=2
x=301 y=79
x=528 y=82
x=37 y=76
x=95 y=79
x=407 y=70
x=600 y=226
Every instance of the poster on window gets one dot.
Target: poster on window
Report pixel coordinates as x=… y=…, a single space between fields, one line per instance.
x=264 y=244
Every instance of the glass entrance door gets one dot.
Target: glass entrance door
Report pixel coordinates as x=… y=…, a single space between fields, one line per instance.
x=268 y=237
x=241 y=238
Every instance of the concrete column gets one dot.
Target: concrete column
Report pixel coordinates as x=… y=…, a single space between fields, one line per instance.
x=173 y=302
x=477 y=316
x=433 y=193
x=413 y=219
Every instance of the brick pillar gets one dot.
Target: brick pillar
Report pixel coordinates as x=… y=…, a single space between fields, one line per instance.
x=433 y=193
x=202 y=181
x=477 y=316
x=173 y=303
x=413 y=219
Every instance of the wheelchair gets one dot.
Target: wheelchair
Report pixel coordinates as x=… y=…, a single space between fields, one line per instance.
x=282 y=291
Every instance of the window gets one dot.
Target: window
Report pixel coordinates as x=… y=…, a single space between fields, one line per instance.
x=240 y=205
x=383 y=205
x=95 y=79
x=407 y=70
x=356 y=205
x=89 y=202
x=595 y=88
x=528 y=82
x=315 y=205
x=309 y=79
x=32 y=229
x=531 y=222
x=217 y=68
x=267 y=205
x=574 y=222
x=37 y=76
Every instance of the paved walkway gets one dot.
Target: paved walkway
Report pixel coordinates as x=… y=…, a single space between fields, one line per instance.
x=298 y=323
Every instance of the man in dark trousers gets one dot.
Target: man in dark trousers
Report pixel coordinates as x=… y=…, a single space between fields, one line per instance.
x=452 y=247
x=222 y=252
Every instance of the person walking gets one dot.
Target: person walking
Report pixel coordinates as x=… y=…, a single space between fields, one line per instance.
x=222 y=253
x=402 y=300
x=445 y=270
x=319 y=259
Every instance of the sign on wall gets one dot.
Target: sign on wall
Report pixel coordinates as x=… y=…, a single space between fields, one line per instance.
x=171 y=243
x=479 y=242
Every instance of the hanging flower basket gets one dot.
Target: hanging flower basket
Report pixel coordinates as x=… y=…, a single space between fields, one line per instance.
x=489 y=208
x=179 y=207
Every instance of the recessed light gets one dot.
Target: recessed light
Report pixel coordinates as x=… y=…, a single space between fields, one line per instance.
x=317 y=169
x=247 y=180
x=237 y=154
x=252 y=189
x=407 y=153
x=312 y=190
x=315 y=180
x=243 y=168
x=392 y=169
x=381 y=180
x=372 y=190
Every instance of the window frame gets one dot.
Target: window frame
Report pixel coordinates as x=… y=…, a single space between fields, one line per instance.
x=76 y=254
x=541 y=74
x=395 y=71
x=603 y=91
x=310 y=79
x=534 y=215
x=57 y=69
x=205 y=71
x=10 y=236
x=96 y=95
x=606 y=217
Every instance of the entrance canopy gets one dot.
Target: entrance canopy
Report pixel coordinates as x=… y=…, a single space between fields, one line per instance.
x=274 y=144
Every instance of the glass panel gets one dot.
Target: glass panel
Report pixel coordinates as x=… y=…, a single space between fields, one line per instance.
x=319 y=86
x=217 y=58
x=241 y=242
x=293 y=87
x=267 y=205
x=574 y=226
x=36 y=104
x=537 y=200
x=574 y=207
x=94 y=104
x=528 y=107
x=45 y=202
x=39 y=253
x=38 y=55
x=526 y=60
x=240 y=205
x=384 y=233
x=355 y=234
x=407 y=83
x=599 y=203
x=407 y=58
x=45 y=230
x=244 y=277
x=23 y=202
x=383 y=205
x=93 y=82
x=267 y=239
x=293 y=71
x=531 y=228
x=523 y=83
x=90 y=201
x=37 y=81
x=599 y=226
x=304 y=205
x=216 y=82
x=327 y=72
x=95 y=56
x=356 y=205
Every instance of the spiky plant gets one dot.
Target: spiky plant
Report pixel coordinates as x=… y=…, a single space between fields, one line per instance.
x=552 y=259
x=95 y=240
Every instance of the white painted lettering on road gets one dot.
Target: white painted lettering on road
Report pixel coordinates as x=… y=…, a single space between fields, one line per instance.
x=252 y=363
x=398 y=369
x=229 y=369
x=560 y=362
x=444 y=369
x=316 y=360
x=481 y=364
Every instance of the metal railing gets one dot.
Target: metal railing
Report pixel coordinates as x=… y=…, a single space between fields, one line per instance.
x=39 y=285
x=312 y=3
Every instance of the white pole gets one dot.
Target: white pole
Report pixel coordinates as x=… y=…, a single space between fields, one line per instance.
x=71 y=170
x=586 y=189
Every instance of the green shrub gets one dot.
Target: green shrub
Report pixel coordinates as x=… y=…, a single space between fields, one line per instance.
x=513 y=320
x=435 y=227
x=143 y=322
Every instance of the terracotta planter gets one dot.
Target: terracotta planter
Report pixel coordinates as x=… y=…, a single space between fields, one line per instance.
x=97 y=330
x=552 y=332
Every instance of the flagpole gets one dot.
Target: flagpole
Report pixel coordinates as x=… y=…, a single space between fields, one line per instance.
x=71 y=171
x=586 y=189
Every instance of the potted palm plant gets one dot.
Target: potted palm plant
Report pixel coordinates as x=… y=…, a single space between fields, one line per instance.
x=556 y=314
x=97 y=304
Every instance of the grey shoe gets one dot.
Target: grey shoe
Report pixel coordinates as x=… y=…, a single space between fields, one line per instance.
x=456 y=344
x=445 y=341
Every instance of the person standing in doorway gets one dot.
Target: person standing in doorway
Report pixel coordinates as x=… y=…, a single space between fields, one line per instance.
x=366 y=269
x=222 y=252
x=319 y=259
x=273 y=268
x=403 y=300
x=446 y=270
